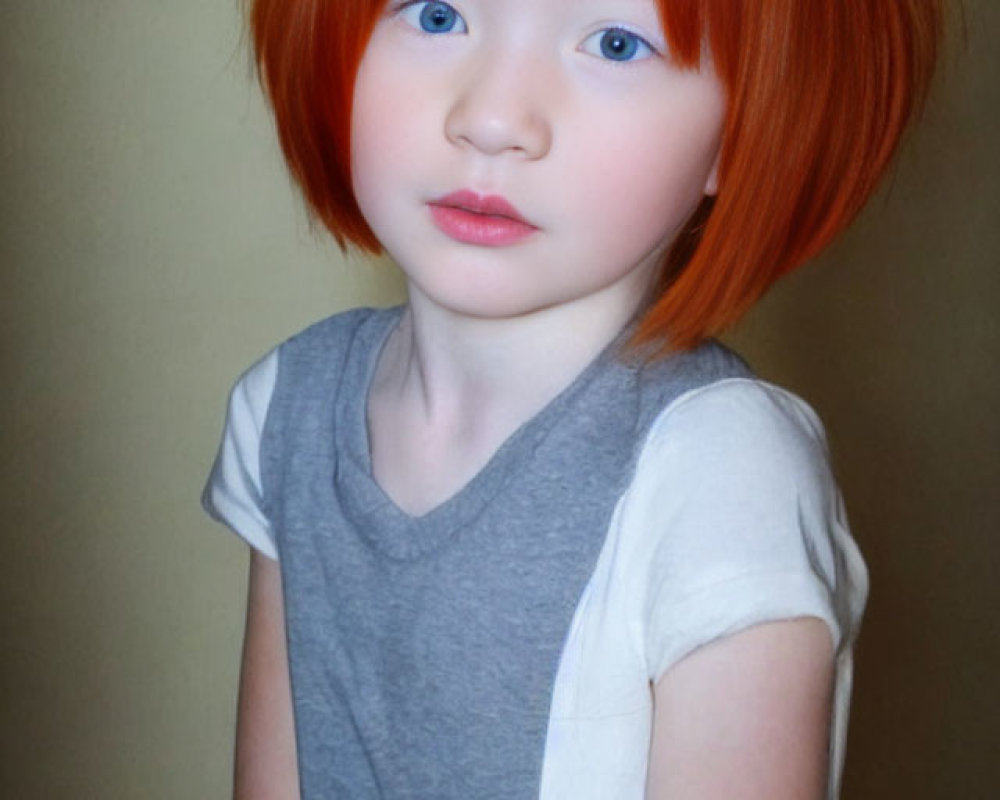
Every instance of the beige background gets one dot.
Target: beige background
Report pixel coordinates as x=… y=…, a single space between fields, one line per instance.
x=151 y=247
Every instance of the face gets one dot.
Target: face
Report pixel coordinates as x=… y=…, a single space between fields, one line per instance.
x=519 y=155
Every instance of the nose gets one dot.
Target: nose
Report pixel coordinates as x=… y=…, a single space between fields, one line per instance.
x=499 y=109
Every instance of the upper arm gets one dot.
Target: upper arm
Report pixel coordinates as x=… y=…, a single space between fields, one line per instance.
x=746 y=717
x=745 y=523
x=753 y=584
x=266 y=767
x=265 y=762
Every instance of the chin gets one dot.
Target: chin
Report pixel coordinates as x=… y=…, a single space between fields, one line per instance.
x=467 y=288
x=483 y=306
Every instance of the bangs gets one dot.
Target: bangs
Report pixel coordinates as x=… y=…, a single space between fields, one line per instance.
x=682 y=25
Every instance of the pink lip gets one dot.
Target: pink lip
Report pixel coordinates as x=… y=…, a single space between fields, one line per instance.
x=471 y=218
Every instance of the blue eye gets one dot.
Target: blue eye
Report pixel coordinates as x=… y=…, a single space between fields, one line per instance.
x=617 y=44
x=433 y=17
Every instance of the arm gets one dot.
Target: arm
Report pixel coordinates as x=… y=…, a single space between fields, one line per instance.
x=746 y=717
x=265 y=734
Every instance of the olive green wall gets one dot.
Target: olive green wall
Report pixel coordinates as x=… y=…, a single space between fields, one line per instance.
x=151 y=247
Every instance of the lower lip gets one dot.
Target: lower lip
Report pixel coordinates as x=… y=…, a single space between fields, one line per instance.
x=479 y=229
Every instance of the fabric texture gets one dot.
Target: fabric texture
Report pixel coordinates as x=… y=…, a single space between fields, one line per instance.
x=503 y=645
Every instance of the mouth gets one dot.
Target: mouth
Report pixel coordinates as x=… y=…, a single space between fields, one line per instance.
x=485 y=220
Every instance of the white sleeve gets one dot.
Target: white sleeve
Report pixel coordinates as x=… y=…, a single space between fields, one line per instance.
x=746 y=521
x=233 y=494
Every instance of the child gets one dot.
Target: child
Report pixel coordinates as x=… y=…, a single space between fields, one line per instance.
x=535 y=534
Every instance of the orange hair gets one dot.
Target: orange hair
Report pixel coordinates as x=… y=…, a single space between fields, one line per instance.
x=819 y=93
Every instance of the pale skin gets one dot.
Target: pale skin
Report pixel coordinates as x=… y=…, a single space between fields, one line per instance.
x=265 y=766
x=492 y=334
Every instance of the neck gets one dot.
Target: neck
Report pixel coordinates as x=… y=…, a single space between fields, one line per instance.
x=450 y=388
x=471 y=369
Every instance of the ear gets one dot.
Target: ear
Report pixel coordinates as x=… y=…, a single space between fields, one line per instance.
x=712 y=182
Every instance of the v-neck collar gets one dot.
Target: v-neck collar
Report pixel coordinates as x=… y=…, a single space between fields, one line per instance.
x=377 y=517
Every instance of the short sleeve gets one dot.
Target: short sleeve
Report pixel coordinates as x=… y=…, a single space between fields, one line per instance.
x=735 y=487
x=233 y=494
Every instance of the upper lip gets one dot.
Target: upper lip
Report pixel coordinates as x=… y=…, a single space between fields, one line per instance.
x=492 y=204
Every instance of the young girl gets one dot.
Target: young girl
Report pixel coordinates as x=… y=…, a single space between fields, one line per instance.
x=535 y=534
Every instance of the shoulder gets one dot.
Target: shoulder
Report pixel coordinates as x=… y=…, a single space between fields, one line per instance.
x=740 y=458
x=337 y=329
x=735 y=433
x=235 y=491
x=336 y=326
x=737 y=461
x=337 y=333
x=251 y=394
x=737 y=519
x=661 y=383
x=314 y=353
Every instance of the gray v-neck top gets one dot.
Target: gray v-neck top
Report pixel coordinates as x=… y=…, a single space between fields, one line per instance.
x=436 y=656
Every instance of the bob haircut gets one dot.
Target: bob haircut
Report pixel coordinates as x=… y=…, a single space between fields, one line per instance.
x=819 y=93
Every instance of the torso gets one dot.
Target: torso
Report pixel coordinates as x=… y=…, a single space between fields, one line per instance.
x=502 y=644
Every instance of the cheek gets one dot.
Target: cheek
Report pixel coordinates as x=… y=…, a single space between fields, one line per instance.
x=371 y=121
x=384 y=113
x=648 y=181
